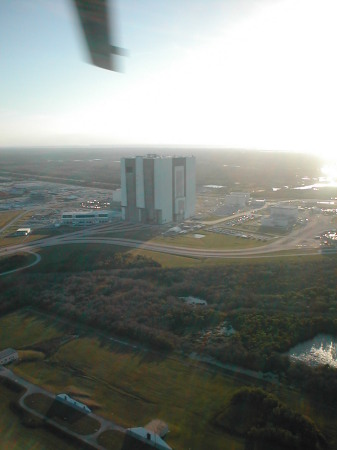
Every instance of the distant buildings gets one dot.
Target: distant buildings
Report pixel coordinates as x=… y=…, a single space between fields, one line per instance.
x=8 y=355
x=83 y=218
x=23 y=231
x=116 y=195
x=237 y=199
x=281 y=216
x=158 y=189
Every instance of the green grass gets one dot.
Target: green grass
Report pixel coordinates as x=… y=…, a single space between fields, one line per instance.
x=210 y=241
x=168 y=261
x=172 y=261
x=74 y=257
x=15 y=261
x=111 y=439
x=16 y=240
x=7 y=216
x=16 y=436
x=140 y=235
x=134 y=387
x=18 y=330
x=62 y=414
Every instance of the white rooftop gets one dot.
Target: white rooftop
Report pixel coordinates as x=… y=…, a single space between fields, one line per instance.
x=155 y=440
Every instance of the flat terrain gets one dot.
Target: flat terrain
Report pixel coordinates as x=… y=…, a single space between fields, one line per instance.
x=134 y=386
x=16 y=436
x=7 y=216
x=209 y=241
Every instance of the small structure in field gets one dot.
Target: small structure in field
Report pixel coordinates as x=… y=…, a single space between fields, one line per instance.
x=64 y=398
x=148 y=437
x=194 y=301
x=23 y=231
x=8 y=355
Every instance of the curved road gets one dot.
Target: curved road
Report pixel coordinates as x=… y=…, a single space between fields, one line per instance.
x=37 y=260
x=293 y=241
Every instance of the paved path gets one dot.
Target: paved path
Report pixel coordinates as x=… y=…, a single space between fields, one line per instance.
x=36 y=261
x=291 y=242
x=31 y=388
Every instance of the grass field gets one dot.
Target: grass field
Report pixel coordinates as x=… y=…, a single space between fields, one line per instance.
x=7 y=216
x=210 y=241
x=112 y=439
x=75 y=257
x=15 y=261
x=16 y=240
x=65 y=415
x=16 y=436
x=135 y=386
x=19 y=330
x=86 y=257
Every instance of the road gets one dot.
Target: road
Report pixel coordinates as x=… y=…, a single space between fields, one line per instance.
x=31 y=388
x=36 y=261
x=9 y=224
x=300 y=241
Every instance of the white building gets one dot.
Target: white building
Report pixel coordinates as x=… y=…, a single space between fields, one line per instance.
x=8 y=355
x=158 y=189
x=83 y=218
x=64 y=398
x=237 y=199
x=23 y=231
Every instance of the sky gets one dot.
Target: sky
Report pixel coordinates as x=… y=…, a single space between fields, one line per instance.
x=257 y=74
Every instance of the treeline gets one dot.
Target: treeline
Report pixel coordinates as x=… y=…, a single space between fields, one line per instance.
x=271 y=306
x=260 y=416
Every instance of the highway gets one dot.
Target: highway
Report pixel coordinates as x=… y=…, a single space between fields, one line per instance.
x=300 y=241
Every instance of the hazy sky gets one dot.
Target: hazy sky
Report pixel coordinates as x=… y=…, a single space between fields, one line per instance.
x=231 y=73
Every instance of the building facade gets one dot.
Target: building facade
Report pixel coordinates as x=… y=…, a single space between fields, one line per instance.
x=84 y=218
x=158 y=189
x=281 y=216
x=237 y=199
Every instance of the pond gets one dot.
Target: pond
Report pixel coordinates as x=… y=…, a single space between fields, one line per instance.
x=322 y=349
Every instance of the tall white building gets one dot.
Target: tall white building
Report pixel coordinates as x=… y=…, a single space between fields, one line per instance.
x=158 y=189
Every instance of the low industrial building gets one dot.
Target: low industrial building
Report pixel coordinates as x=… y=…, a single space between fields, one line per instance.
x=83 y=218
x=8 y=355
x=281 y=216
x=23 y=231
x=237 y=199
x=148 y=437
x=64 y=398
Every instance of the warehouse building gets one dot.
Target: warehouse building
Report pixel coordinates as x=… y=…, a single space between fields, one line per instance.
x=83 y=218
x=64 y=398
x=8 y=355
x=23 y=231
x=281 y=216
x=158 y=189
x=237 y=199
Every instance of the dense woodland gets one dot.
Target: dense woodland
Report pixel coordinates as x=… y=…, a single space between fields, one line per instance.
x=260 y=416
x=272 y=306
